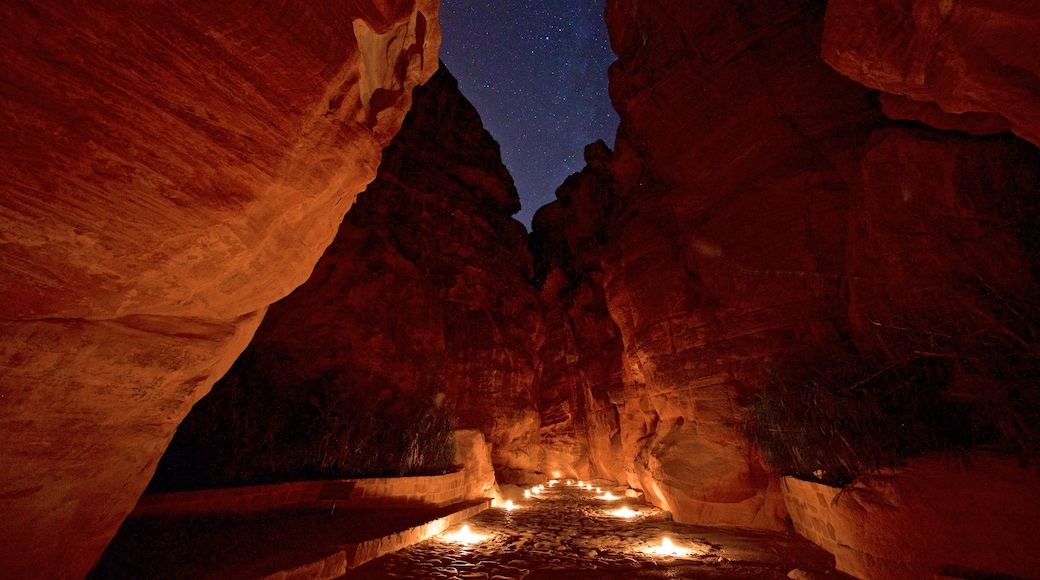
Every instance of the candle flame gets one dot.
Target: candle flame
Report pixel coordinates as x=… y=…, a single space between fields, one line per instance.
x=623 y=512
x=668 y=548
x=464 y=536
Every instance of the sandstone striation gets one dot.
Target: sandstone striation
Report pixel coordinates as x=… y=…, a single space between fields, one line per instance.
x=976 y=57
x=764 y=211
x=579 y=377
x=169 y=170
x=928 y=518
x=423 y=298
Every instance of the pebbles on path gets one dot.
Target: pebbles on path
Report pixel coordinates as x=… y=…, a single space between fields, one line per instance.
x=567 y=533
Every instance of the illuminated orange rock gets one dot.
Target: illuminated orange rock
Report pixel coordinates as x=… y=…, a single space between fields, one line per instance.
x=169 y=171
x=934 y=517
x=981 y=56
x=471 y=452
x=580 y=348
x=726 y=249
x=426 y=289
x=767 y=210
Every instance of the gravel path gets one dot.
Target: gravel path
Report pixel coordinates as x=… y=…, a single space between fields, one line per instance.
x=568 y=533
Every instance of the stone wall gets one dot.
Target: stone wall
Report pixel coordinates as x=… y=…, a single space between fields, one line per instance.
x=809 y=504
x=969 y=517
x=372 y=493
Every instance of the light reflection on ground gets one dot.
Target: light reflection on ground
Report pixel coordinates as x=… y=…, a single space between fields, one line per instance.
x=566 y=533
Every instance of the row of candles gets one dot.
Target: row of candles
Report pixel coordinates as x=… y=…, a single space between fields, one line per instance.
x=667 y=547
x=534 y=491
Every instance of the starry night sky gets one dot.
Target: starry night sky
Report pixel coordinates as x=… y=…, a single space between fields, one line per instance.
x=537 y=74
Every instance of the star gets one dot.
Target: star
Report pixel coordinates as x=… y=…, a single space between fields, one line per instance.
x=537 y=74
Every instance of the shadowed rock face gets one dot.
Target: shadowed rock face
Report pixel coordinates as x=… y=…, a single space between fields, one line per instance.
x=962 y=58
x=764 y=210
x=425 y=289
x=580 y=348
x=169 y=170
x=759 y=210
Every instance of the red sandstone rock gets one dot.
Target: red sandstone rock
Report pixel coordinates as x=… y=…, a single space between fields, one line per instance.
x=759 y=219
x=932 y=518
x=580 y=349
x=936 y=239
x=726 y=252
x=977 y=56
x=900 y=108
x=426 y=289
x=471 y=452
x=168 y=171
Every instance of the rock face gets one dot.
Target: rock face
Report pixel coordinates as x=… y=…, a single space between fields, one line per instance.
x=472 y=452
x=425 y=291
x=763 y=211
x=927 y=518
x=977 y=58
x=580 y=348
x=169 y=170
x=726 y=251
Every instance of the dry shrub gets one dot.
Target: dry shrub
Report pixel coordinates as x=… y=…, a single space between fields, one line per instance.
x=265 y=423
x=837 y=417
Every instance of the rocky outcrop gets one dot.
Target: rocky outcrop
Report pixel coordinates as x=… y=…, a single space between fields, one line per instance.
x=423 y=298
x=766 y=212
x=980 y=57
x=725 y=254
x=930 y=518
x=471 y=452
x=169 y=170
x=579 y=379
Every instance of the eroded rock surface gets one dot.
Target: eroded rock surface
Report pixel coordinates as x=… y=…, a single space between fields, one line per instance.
x=424 y=298
x=975 y=57
x=931 y=517
x=765 y=212
x=580 y=348
x=169 y=170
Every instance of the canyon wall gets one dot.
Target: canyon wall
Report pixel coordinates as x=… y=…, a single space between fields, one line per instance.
x=766 y=211
x=579 y=377
x=169 y=170
x=423 y=299
x=760 y=212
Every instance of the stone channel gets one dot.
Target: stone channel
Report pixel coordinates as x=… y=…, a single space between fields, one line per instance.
x=568 y=532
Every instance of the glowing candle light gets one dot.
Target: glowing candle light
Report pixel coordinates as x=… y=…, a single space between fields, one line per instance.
x=608 y=497
x=623 y=512
x=581 y=484
x=509 y=505
x=527 y=494
x=464 y=536
x=598 y=490
x=667 y=548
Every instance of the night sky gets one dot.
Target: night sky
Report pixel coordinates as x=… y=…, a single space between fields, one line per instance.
x=537 y=73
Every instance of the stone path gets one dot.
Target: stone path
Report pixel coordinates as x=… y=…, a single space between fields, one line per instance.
x=567 y=533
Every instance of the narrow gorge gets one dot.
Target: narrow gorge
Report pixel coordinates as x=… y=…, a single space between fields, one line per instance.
x=810 y=258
